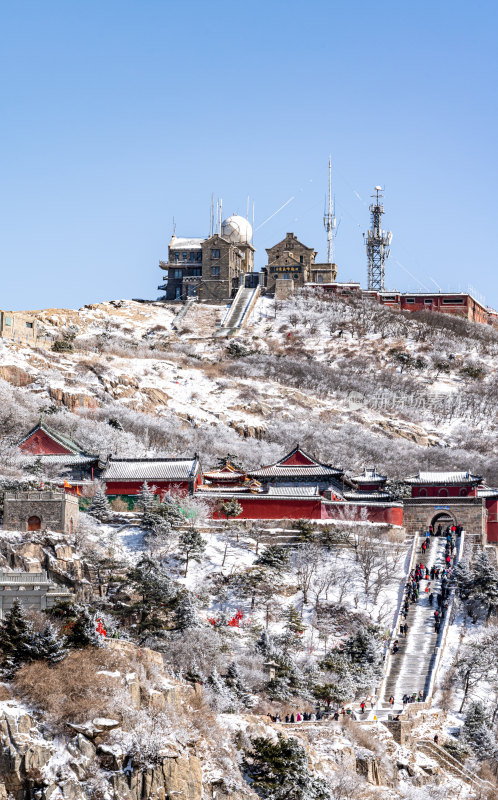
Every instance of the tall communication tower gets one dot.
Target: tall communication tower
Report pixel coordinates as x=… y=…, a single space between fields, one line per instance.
x=377 y=243
x=329 y=222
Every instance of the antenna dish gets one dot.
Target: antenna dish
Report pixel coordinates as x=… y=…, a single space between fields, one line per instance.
x=378 y=188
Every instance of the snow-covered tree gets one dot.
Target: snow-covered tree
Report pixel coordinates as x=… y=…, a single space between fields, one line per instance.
x=230 y=508
x=191 y=545
x=280 y=771
x=146 y=500
x=157 y=594
x=81 y=630
x=485 y=582
x=186 y=612
x=17 y=641
x=222 y=697
x=477 y=731
x=50 y=646
x=275 y=557
x=99 y=507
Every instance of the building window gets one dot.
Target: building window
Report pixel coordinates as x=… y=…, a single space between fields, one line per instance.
x=184 y=256
x=320 y=279
x=198 y=256
x=463 y=492
x=410 y=299
x=8 y=320
x=452 y=300
x=178 y=292
x=192 y=255
x=196 y=271
x=215 y=271
x=177 y=273
x=176 y=257
x=29 y=324
x=215 y=253
x=301 y=259
x=389 y=299
x=192 y=290
x=422 y=493
x=443 y=493
x=428 y=301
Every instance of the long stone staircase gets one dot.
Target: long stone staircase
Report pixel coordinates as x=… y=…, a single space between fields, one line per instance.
x=240 y=310
x=410 y=668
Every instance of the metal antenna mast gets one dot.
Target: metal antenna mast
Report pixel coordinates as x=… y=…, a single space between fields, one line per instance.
x=329 y=222
x=377 y=243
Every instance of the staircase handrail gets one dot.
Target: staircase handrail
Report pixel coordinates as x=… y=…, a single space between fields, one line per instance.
x=439 y=648
x=443 y=754
x=395 y=623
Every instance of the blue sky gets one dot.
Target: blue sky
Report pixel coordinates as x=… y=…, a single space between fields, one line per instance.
x=118 y=116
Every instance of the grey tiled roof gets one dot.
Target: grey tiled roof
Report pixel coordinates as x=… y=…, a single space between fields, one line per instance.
x=486 y=491
x=293 y=491
x=62 y=460
x=368 y=496
x=369 y=476
x=167 y=469
x=443 y=477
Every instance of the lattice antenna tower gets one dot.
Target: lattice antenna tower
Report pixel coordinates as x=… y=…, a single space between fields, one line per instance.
x=377 y=243
x=329 y=221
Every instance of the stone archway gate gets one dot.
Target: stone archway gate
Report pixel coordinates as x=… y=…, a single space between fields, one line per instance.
x=469 y=512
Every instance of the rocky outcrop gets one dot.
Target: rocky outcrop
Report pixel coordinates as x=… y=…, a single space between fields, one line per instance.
x=51 y=553
x=72 y=401
x=15 y=375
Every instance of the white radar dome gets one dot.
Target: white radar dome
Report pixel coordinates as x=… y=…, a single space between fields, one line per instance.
x=236 y=229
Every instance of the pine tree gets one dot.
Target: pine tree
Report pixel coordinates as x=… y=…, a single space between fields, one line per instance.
x=464 y=579
x=230 y=508
x=99 y=507
x=274 y=557
x=157 y=594
x=264 y=644
x=146 y=501
x=477 y=731
x=224 y=698
x=280 y=771
x=82 y=630
x=191 y=546
x=485 y=582
x=50 y=646
x=186 y=613
x=17 y=641
x=234 y=681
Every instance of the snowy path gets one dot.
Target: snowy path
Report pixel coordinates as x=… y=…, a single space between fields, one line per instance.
x=410 y=666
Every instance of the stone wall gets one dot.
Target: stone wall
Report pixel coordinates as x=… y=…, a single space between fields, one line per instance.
x=18 y=326
x=32 y=589
x=56 y=511
x=470 y=512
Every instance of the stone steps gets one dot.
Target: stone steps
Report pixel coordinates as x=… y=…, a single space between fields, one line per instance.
x=410 y=667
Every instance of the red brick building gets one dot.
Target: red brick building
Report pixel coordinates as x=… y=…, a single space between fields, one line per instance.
x=461 y=304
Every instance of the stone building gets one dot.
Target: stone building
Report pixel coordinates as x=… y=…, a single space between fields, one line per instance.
x=33 y=590
x=291 y=260
x=18 y=326
x=209 y=269
x=40 y=511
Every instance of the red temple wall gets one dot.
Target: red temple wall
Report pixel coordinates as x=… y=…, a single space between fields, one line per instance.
x=41 y=444
x=492 y=526
x=134 y=487
x=443 y=491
